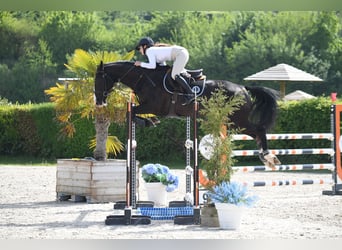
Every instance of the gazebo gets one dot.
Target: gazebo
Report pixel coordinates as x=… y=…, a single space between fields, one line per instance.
x=283 y=73
x=298 y=95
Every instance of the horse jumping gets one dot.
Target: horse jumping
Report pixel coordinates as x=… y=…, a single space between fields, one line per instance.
x=256 y=116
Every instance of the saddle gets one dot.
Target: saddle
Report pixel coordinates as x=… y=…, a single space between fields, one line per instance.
x=195 y=78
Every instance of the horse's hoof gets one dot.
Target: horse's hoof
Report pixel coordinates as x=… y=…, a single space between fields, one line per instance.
x=276 y=160
x=271 y=161
x=270 y=165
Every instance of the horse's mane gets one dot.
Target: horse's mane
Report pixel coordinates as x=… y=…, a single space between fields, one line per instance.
x=119 y=62
x=131 y=63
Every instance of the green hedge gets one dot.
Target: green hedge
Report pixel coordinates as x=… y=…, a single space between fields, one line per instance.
x=32 y=130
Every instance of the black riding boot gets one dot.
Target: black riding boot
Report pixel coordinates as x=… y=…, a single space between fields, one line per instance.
x=189 y=94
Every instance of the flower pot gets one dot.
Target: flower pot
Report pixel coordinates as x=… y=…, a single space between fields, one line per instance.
x=92 y=181
x=156 y=192
x=229 y=215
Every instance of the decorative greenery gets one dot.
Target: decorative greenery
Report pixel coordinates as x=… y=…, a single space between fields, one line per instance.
x=113 y=145
x=160 y=173
x=216 y=122
x=233 y=193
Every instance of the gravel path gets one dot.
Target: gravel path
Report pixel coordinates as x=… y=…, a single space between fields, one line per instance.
x=29 y=210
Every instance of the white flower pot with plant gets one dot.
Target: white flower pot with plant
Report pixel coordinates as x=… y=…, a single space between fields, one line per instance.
x=230 y=199
x=158 y=181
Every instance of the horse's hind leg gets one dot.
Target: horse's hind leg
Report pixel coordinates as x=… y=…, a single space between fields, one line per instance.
x=270 y=160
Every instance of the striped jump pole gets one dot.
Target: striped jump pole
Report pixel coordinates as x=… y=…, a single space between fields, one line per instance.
x=248 y=169
x=293 y=136
x=304 y=151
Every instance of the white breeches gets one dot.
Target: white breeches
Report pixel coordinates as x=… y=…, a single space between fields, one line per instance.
x=180 y=57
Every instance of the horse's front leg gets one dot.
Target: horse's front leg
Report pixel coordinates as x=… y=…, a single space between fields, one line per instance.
x=141 y=121
x=270 y=160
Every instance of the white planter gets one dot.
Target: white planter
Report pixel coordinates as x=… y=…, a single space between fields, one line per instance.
x=93 y=181
x=156 y=192
x=229 y=215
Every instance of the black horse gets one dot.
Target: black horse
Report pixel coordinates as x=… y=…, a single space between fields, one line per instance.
x=157 y=95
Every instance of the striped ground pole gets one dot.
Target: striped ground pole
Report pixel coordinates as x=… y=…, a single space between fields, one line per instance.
x=288 y=182
x=248 y=169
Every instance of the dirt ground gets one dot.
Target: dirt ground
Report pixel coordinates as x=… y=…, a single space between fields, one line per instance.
x=29 y=210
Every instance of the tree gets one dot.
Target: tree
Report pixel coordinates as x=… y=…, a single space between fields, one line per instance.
x=75 y=99
x=26 y=80
x=15 y=35
x=65 y=31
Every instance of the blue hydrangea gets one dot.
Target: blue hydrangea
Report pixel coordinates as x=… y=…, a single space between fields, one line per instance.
x=233 y=193
x=150 y=169
x=160 y=173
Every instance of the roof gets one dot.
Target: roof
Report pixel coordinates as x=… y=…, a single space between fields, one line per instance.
x=283 y=72
x=298 y=95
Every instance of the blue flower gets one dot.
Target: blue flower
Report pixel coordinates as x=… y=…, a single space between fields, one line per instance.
x=233 y=193
x=150 y=169
x=160 y=173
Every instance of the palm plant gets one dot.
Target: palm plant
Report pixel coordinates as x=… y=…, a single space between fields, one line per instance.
x=75 y=100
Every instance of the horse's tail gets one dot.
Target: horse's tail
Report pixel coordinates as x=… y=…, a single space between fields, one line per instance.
x=264 y=108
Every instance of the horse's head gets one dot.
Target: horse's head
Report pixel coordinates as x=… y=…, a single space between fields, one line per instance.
x=140 y=80
x=100 y=86
x=110 y=73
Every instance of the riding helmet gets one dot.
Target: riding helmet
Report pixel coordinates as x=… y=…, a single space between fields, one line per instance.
x=145 y=41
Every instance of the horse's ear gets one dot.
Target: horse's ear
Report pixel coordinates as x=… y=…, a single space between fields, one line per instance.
x=100 y=67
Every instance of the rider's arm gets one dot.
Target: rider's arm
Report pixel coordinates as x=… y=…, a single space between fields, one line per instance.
x=152 y=62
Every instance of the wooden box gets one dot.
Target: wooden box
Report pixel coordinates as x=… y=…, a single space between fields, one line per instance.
x=93 y=181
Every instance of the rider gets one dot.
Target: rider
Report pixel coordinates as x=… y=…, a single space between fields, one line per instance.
x=160 y=53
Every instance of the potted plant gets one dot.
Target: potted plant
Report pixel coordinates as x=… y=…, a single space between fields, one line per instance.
x=215 y=122
x=74 y=100
x=229 y=199
x=158 y=181
x=217 y=165
x=101 y=180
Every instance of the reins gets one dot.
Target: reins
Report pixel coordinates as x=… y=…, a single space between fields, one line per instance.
x=124 y=75
x=127 y=72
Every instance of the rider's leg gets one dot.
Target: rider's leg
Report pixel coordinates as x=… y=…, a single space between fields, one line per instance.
x=180 y=58
x=189 y=94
